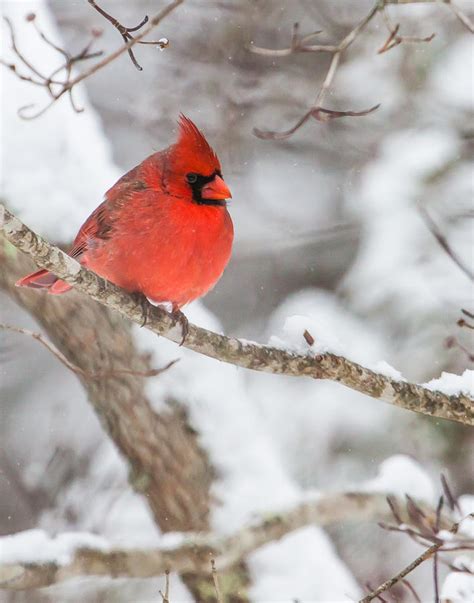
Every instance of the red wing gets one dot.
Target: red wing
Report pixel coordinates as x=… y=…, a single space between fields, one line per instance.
x=97 y=226
x=100 y=223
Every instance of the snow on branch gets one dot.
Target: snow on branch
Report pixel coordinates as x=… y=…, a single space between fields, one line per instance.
x=455 y=405
x=72 y=555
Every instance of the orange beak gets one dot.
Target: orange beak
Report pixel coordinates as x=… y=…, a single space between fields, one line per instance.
x=216 y=190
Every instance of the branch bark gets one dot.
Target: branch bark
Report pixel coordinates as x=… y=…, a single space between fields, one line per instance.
x=194 y=552
x=411 y=396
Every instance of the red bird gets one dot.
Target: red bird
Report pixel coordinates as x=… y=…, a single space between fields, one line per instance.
x=163 y=229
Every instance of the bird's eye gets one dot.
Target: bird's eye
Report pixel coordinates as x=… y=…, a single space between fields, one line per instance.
x=191 y=178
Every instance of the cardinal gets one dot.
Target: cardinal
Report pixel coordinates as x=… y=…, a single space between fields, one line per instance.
x=163 y=230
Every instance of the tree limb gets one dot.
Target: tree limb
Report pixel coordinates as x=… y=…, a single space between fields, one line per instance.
x=193 y=552
x=411 y=396
x=301 y=44
x=57 y=88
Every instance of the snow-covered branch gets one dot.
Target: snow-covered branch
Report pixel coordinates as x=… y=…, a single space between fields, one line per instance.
x=72 y=555
x=429 y=400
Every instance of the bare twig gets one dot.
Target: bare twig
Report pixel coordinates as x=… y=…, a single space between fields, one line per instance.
x=302 y=44
x=317 y=111
x=394 y=39
x=435 y=578
x=58 y=86
x=453 y=342
x=462 y=322
x=165 y=597
x=215 y=580
x=409 y=586
x=459 y=407
x=298 y=44
x=424 y=528
x=451 y=499
x=126 y=32
x=444 y=244
x=460 y=15
x=50 y=82
x=104 y=374
x=404 y=572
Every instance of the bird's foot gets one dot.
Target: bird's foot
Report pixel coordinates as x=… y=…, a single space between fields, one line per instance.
x=178 y=316
x=145 y=306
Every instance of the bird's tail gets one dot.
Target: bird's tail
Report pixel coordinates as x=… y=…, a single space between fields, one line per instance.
x=42 y=279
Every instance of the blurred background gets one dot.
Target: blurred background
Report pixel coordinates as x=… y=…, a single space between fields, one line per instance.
x=328 y=226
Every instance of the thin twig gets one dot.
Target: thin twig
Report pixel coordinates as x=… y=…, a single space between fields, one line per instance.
x=215 y=580
x=404 y=572
x=462 y=322
x=125 y=32
x=394 y=39
x=104 y=374
x=317 y=111
x=435 y=578
x=452 y=500
x=410 y=587
x=460 y=15
x=300 y=44
x=166 y=595
x=453 y=342
x=65 y=85
x=424 y=527
x=444 y=244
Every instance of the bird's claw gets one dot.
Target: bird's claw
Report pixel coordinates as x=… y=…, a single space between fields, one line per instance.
x=145 y=306
x=178 y=316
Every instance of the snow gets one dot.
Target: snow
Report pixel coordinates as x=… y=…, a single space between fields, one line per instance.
x=400 y=270
x=466 y=503
x=38 y=547
x=458 y=588
x=325 y=317
x=453 y=384
x=384 y=368
x=402 y=475
x=317 y=574
x=452 y=78
x=245 y=472
x=291 y=337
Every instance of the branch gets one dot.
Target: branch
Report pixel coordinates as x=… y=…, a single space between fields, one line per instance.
x=427 y=530
x=103 y=374
x=404 y=572
x=192 y=553
x=444 y=244
x=317 y=111
x=394 y=38
x=125 y=32
x=429 y=553
x=67 y=84
x=301 y=44
x=459 y=407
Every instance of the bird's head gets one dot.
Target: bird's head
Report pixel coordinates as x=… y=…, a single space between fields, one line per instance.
x=195 y=168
